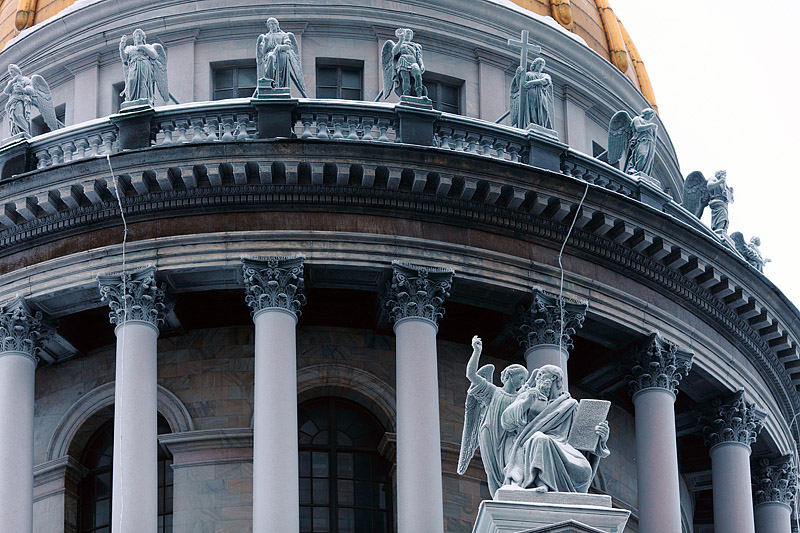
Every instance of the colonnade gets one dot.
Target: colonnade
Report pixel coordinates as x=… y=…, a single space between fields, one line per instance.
x=274 y=289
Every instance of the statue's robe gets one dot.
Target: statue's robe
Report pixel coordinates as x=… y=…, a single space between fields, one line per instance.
x=541 y=451
x=642 y=148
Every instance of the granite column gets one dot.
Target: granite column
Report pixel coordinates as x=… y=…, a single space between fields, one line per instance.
x=137 y=308
x=775 y=487
x=274 y=290
x=415 y=299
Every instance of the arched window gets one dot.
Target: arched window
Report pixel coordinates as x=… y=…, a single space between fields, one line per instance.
x=94 y=491
x=344 y=482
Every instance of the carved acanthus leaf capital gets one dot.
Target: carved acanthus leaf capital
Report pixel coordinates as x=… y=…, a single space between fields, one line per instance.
x=21 y=328
x=731 y=419
x=550 y=319
x=418 y=291
x=134 y=296
x=775 y=481
x=274 y=282
x=658 y=363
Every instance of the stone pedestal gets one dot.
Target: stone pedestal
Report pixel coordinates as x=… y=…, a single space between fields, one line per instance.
x=274 y=107
x=15 y=156
x=523 y=510
x=416 y=120
x=134 y=122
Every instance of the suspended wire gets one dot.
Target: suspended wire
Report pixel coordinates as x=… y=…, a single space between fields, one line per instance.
x=561 y=267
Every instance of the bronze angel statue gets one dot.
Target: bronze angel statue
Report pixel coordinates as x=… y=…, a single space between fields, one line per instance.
x=750 y=250
x=145 y=69
x=699 y=193
x=636 y=138
x=402 y=66
x=23 y=94
x=531 y=97
x=278 y=58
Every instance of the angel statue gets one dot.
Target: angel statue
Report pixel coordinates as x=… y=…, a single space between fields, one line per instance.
x=714 y=193
x=750 y=250
x=278 y=58
x=24 y=93
x=536 y=105
x=402 y=66
x=485 y=405
x=145 y=69
x=636 y=137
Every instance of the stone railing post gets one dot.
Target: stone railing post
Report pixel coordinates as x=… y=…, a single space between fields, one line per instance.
x=414 y=298
x=545 y=330
x=657 y=368
x=729 y=427
x=416 y=118
x=775 y=487
x=135 y=123
x=138 y=306
x=274 y=109
x=21 y=333
x=274 y=290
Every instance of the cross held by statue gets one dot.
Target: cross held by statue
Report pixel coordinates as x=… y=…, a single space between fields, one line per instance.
x=524 y=47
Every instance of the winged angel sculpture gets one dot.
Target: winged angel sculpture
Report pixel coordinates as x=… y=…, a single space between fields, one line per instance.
x=145 y=68
x=522 y=429
x=635 y=137
x=278 y=58
x=23 y=94
x=750 y=250
x=402 y=66
x=699 y=193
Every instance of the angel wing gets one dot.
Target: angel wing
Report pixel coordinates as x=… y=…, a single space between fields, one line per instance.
x=296 y=66
x=388 y=68
x=260 y=56
x=695 y=193
x=473 y=415
x=160 y=71
x=44 y=101
x=620 y=130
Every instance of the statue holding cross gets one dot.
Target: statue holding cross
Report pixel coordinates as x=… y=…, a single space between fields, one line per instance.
x=531 y=98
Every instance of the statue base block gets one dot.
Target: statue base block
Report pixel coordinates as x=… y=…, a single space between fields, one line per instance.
x=547 y=132
x=422 y=102
x=526 y=511
x=265 y=91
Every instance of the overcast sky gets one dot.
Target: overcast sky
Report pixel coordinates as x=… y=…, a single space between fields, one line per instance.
x=725 y=76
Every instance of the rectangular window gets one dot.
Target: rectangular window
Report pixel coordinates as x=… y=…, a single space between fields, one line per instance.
x=444 y=92
x=233 y=82
x=340 y=80
x=38 y=127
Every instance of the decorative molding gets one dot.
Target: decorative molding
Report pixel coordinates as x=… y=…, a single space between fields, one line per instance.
x=274 y=282
x=21 y=328
x=134 y=296
x=658 y=363
x=417 y=291
x=776 y=481
x=731 y=419
x=541 y=323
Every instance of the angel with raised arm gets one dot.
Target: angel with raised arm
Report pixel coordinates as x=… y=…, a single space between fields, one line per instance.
x=402 y=66
x=699 y=193
x=636 y=137
x=485 y=404
x=750 y=250
x=278 y=58
x=145 y=69
x=23 y=94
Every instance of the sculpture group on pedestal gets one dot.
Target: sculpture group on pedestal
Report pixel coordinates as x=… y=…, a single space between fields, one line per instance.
x=145 y=69
x=23 y=94
x=402 y=66
x=527 y=430
x=636 y=138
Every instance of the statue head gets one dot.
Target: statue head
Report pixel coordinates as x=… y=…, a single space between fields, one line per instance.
x=514 y=374
x=139 y=37
x=272 y=24
x=538 y=64
x=648 y=113
x=14 y=70
x=755 y=241
x=720 y=175
x=407 y=32
x=549 y=381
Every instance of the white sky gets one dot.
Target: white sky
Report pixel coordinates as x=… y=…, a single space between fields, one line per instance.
x=726 y=80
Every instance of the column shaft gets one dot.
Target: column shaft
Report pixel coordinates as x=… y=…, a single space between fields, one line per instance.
x=657 y=461
x=134 y=507
x=419 y=459
x=773 y=517
x=16 y=441
x=733 y=498
x=547 y=354
x=276 y=493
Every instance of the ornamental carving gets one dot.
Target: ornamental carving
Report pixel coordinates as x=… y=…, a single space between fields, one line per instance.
x=21 y=329
x=274 y=282
x=776 y=481
x=418 y=291
x=134 y=296
x=550 y=320
x=731 y=419
x=658 y=363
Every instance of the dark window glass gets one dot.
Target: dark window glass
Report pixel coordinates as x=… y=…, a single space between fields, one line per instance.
x=445 y=96
x=234 y=82
x=339 y=82
x=344 y=482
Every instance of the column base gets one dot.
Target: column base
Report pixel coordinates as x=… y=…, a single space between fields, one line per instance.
x=517 y=510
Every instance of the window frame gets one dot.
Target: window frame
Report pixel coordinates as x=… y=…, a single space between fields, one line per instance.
x=439 y=80
x=339 y=65
x=236 y=66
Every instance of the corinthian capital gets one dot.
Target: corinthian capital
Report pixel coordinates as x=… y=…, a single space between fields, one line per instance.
x=21 y=329
x=731 y=419
x=274 y=282
x=550 y=320
x=775 y=481
x=418 y=291
x=658 y=363
x=134 y=296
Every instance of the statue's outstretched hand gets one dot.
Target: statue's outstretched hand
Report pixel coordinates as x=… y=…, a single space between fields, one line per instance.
x=477 y=344
x=603 y=431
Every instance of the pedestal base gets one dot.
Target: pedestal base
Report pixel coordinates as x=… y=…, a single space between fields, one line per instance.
x=526 y=511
